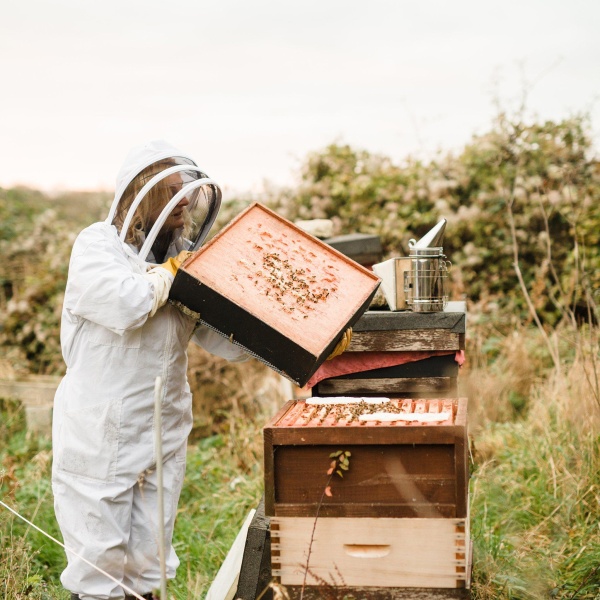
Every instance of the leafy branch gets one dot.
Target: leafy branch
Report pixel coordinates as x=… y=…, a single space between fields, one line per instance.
x=339 y=464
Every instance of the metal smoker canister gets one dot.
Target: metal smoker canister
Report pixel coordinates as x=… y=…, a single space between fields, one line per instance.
x=425 y=282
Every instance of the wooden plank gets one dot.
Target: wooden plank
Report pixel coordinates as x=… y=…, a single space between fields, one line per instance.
x=398 y=510
x=366 y=433
x=370 y=552
x=374 y=593
x=402 y=474
x=405 y=386
x=405 y=340
x=225 y=583
x=383 y=320
x=434 y=366
x=461 y=413
x=281 y=413
x=317 y=391
x=461 y=449
x=255 y=571
x=269 y=470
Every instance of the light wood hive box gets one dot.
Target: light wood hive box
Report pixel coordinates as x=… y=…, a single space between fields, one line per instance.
x=371 y=553
x=280 y=293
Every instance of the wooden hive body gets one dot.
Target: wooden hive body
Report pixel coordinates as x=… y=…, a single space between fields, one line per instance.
x=380 y=553
x=282 y=294
x=398 y=469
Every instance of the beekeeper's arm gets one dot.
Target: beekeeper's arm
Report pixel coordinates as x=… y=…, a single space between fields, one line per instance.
x=106 y=286
x=215 y=343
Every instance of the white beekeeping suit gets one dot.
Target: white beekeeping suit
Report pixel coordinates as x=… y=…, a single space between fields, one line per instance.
x=118 y=334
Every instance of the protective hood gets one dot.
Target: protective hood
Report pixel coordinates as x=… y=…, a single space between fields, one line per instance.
x=161 y=194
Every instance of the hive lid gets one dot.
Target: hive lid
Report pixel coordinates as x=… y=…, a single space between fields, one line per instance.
x=280 y=293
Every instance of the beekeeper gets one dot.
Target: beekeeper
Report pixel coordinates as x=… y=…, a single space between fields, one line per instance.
x=118 y=334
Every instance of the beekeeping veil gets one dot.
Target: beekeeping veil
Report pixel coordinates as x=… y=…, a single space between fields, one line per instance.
x=157 y=176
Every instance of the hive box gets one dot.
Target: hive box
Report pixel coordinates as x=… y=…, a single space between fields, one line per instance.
x=428 y=378
x=280 y=293
x=399 y=469
x=371 y=553
x=380 y=330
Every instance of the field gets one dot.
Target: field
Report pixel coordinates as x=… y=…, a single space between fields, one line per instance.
x=535 y=484
x=524 y=237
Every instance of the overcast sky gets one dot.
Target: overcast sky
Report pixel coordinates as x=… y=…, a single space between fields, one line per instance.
x=250 y=87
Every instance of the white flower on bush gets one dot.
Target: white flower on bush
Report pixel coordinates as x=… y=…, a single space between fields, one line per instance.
x=16 y=306
x=554 y=197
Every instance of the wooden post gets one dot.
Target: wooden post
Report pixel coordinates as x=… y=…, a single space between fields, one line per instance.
x=255 y=572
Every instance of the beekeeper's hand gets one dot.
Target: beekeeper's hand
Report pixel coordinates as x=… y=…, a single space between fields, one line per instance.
x=173 y=263
x=342 y=345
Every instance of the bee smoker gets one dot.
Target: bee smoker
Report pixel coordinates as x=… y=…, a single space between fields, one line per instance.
x=425 y=281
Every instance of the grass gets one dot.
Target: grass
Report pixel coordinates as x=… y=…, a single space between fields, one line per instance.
x=535 y=487
x=215 y=501
x=30 y=564
x=535 y=516
x=535 y=484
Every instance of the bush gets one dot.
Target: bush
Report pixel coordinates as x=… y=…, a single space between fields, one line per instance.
x=526 y=192
x=38 y=232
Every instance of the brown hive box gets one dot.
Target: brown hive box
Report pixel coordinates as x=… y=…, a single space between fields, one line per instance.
x=397 y=469
x=280 y=293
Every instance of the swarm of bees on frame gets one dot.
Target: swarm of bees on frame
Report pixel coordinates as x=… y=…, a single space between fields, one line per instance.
x=349 y=412
x=296 y=289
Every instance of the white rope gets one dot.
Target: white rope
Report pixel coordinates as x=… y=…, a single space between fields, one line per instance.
x=127 y=589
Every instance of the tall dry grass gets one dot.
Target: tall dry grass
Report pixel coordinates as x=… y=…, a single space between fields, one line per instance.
x=535 y=487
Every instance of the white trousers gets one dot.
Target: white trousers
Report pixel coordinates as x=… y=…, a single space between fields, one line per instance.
x=114 y=526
